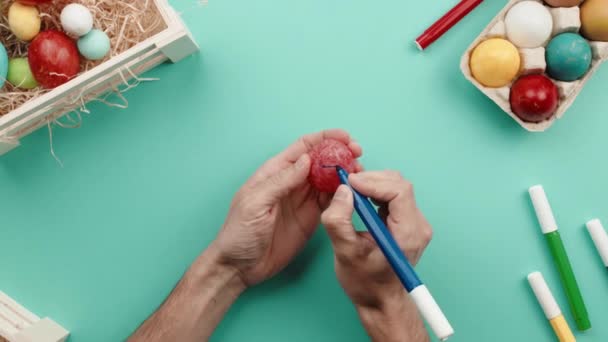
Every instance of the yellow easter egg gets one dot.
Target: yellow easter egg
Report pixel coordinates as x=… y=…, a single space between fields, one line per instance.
x=24 y=21
x=594 y=19
x=495 y=62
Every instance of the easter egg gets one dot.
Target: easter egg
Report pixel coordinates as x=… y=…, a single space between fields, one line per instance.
x=594 y=20
x=94 y=45
x=529 y=24
x=534 y=98
x=3 y=64
x=24 y=21
x=329 y=153
x=20 y=75
x=564 y=3
x=495 y=62
x=34 y=2
x=76 y=20
x=568 y=57
x=53 y=58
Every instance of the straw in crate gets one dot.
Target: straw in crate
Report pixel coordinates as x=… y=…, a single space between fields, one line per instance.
x=123 y=40
x=535 y=57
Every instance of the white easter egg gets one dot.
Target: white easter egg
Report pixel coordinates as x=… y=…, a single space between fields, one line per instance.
x=529 y=24
x=76 y=20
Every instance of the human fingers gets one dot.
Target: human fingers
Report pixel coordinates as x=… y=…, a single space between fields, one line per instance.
x=407 y=224
x=386 y=187
x=281 y=183
x=337 y=219
x=288 y=156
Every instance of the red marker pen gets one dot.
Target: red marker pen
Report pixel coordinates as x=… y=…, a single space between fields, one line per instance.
x=446 y=22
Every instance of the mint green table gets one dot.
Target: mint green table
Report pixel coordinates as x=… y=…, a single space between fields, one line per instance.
x=98 y=244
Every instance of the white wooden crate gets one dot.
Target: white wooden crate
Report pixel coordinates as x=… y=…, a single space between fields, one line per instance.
x=172 y=44
x=18 y=324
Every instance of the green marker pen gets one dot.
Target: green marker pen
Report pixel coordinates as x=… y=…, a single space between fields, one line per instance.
x=549 y=228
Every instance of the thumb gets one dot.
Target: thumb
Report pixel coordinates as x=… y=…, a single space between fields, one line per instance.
x=337 y=219
x=283 y=182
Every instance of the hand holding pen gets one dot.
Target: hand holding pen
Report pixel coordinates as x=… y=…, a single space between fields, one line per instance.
x=270 y=220
x=381 y=301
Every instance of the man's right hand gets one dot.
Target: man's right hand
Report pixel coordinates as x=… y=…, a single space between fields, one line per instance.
x=385 y=309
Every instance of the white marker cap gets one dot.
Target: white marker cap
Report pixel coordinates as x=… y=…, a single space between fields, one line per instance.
x=431 y=312
x=600 y=238
x=543 y=209
x=544 y=296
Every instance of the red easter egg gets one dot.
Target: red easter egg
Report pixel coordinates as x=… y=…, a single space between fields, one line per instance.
x=53 y=58
x=329 y=153
x=534 y=98
x=33 y=2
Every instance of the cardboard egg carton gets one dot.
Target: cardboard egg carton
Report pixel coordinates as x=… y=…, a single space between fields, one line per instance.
x=533 y=62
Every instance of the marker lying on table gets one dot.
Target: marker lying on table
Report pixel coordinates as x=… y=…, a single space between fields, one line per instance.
x=445 y=23
x=550 y=307
x=405 y=272
x=600 y=238
x=558 y=251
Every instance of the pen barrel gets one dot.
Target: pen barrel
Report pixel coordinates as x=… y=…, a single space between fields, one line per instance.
x=426 y=304
x=386 y=242
x=566 y=274
x=561 y=329
x=446 y=22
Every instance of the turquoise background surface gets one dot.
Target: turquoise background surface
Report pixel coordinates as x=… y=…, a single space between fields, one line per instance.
x=99 y=243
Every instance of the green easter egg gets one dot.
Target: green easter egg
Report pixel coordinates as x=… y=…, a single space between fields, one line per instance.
x=20 y=75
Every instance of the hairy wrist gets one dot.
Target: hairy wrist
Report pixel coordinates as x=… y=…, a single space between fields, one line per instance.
x=395 y=321
x=211 y=273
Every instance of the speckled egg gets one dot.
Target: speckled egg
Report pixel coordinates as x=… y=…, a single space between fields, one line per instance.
x=568 y=56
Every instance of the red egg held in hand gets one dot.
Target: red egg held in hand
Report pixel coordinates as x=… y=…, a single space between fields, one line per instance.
x=329 y=153
x=534 y=98
x=53 y=58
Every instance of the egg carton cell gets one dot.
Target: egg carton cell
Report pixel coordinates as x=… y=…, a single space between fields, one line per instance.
x=566 y=19
x=534 y=61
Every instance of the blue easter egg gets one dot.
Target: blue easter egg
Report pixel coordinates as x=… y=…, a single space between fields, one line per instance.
x=94 y=45
x=568 y=56
x=3 y=65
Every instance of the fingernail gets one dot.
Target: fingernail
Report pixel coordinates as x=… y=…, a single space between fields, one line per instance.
x=301 y=162
x=341 y=193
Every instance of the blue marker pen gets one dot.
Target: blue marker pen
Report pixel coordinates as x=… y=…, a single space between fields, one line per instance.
x=425 y=302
